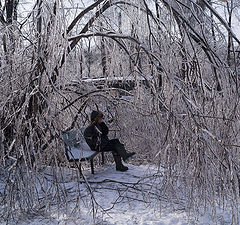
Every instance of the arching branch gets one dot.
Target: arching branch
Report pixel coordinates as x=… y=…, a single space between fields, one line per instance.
x=113 y=35
x=82 y=14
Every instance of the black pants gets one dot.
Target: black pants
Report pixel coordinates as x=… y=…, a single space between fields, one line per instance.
x=112 y=146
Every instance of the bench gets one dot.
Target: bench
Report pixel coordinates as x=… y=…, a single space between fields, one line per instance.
x=77 y=149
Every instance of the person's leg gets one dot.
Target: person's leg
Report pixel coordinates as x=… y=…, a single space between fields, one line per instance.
x=118 y=161
x=111 y=146
x=120 y=149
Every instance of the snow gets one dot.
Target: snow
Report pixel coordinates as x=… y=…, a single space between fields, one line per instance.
x=122 y=198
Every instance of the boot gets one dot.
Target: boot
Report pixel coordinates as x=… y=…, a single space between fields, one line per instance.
x=119 y=165
x=122 y=152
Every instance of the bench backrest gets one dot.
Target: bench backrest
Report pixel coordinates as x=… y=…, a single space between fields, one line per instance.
x=75 y=145
x=70 y=138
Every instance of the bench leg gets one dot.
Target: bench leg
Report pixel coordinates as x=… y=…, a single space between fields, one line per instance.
x=80 y=169
x=102 y=158
x=79 y=166
x=92 y=167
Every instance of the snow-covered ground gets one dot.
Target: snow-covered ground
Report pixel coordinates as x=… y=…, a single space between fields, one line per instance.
x=120 y=198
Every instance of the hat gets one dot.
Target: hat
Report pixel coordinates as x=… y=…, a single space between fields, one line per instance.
x=95 y=115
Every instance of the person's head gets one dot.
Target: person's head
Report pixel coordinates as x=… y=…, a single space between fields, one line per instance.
x=96 y=117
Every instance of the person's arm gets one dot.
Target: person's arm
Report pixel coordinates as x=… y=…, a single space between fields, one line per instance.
x=88 y=132
x=104 y=129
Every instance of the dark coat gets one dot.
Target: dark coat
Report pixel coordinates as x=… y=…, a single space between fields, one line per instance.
x=96 y=136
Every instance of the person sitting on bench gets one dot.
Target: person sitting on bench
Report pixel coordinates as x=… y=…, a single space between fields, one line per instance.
x=96 y=135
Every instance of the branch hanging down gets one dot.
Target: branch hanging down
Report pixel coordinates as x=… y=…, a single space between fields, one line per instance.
x=221 y=20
